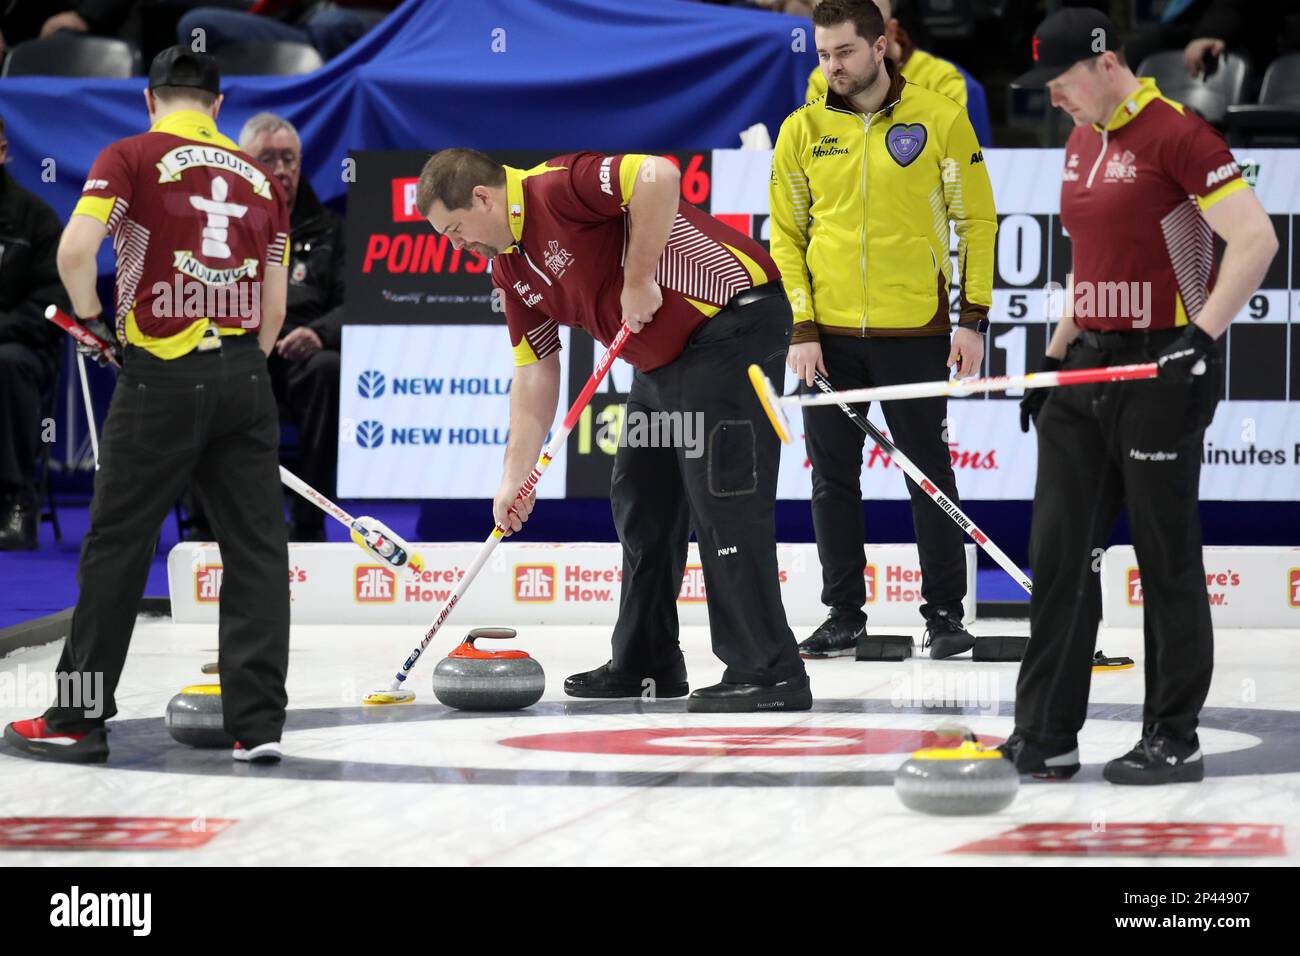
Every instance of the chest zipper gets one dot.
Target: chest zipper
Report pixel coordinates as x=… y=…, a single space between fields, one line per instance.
x=534 y=267
x=1100 y=156
x=866 y=157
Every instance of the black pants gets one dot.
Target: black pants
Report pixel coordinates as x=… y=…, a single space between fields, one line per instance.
x=835 y=446
x=308 y=395
x=1102 y=447
x=726 y=492
x=24 y=378
x=309 y=391
x=209 y=417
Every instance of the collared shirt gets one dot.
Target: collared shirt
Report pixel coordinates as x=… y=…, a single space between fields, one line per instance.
x=570 y=224
x=1132 y=198
x=194 y=222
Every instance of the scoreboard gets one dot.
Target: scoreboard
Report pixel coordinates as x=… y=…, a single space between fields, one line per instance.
x=401 y=273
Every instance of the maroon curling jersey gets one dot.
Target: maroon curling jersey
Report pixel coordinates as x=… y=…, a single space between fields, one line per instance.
x=194 y=223
x=569 y=219
x=1132 y=195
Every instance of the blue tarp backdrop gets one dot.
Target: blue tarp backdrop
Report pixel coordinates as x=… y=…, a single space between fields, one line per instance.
x=609 y=75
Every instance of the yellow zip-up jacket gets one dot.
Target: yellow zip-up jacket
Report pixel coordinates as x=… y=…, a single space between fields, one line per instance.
x=860 y=207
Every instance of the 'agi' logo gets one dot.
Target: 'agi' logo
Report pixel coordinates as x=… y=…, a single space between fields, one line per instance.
x=207 y=583
x=534 y=583
x=373 y=584
x=1134 y=594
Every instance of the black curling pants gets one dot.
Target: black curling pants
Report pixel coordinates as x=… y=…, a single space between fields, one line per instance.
x=1135 y=445
x=835 y=446
x=211 y=418
x=723 y=485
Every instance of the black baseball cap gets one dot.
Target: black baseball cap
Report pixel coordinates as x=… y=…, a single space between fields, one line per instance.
x=1065 y=38
x=181 y=66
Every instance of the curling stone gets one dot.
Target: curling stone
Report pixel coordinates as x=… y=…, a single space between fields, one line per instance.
x=957 y=781
x=470 y=678
x=194 y=717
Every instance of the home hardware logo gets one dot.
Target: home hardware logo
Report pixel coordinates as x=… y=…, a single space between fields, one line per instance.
x=207 y=583
x=534 y=583
x=370 y=383
x=370 y=434
x=693 y=590
x=1133 y=591
x=373 y=584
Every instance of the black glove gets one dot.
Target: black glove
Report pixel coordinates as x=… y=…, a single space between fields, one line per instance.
x=97 y=327
x=1034 y=398
x=1178 y=361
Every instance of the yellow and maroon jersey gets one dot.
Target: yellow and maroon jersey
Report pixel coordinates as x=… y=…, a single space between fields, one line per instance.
x=1131 y=200
x=194 y=222
x=569 y=219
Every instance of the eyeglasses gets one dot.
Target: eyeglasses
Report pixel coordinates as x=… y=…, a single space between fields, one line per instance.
x=288 y=158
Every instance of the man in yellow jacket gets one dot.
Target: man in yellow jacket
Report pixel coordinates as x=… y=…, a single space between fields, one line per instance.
x=902 y=26
x=865 y=181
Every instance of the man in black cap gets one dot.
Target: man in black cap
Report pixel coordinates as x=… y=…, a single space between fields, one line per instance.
x=1146 y=186
x=201 y=233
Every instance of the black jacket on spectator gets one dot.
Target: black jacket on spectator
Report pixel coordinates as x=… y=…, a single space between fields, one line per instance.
x=315 y=269
x=29 y=276
x=22 y=19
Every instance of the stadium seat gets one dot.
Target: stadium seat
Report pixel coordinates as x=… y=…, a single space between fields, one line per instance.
x=73 y=54
x=1275 y=119
x=948 y=20
x=268 y=59
x=1208 y=96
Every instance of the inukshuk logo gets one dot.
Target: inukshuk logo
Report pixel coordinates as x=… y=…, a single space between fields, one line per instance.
x=370 y=434
x=370 y=383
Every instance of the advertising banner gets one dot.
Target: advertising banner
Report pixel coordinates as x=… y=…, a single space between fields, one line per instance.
x=528 y=584
x=1248 y=587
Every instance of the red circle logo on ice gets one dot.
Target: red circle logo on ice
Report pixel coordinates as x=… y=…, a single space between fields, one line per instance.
x=740 y=741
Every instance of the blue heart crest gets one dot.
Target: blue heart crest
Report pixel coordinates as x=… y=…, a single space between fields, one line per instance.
x=905 y=141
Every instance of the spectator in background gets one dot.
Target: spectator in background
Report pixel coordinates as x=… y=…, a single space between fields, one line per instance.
x=1174 y=30
x=905 y=31
x=305 y=363
x=31 y=19
x=29 y=348
x=1261 y=31
x=328 y=27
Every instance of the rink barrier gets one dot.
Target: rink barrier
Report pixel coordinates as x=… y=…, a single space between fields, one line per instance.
x=1248 y=587
x=527 y=583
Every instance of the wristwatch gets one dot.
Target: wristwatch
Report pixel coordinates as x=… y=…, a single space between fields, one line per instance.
x=981 y=326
